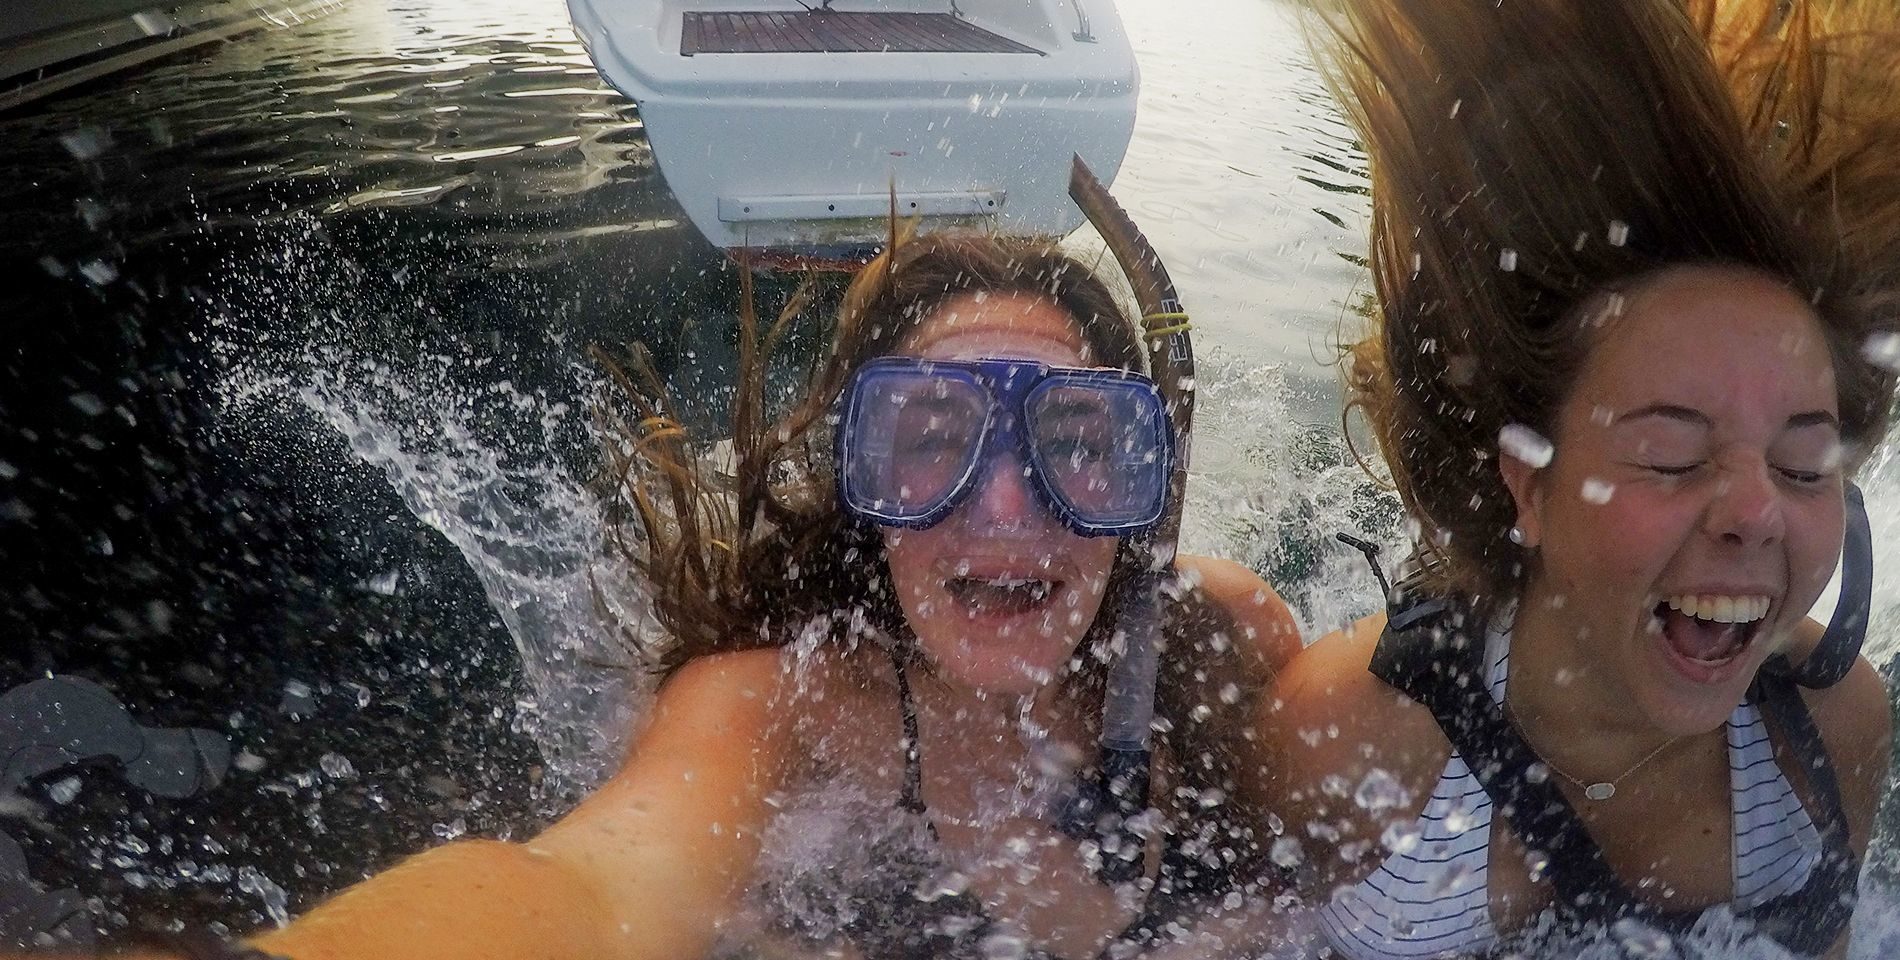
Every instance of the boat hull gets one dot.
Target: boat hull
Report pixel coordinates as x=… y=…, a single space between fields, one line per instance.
x=806 y=150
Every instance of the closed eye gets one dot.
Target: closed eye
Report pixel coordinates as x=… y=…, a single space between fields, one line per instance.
x=1672 y=470
x=1802 y=476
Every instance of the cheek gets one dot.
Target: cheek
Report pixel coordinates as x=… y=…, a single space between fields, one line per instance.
x=1095 y=556
x=909 y=553
x=1815 y=535
x=1613 y=536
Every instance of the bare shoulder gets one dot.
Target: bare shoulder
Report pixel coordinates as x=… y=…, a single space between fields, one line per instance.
x=745 y=674
x=721 y=698
x=1268 y=630
x=1336 y=727
x=1856 y=724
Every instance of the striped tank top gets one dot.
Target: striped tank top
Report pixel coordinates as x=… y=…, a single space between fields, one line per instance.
x=1431 y=897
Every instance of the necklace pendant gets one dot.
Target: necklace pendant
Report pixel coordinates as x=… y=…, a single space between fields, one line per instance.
x=1601 y=790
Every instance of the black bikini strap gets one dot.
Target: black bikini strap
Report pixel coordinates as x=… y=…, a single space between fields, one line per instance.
x=911 y=794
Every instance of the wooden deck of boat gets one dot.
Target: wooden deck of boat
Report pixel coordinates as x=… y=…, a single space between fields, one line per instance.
x=828 y=31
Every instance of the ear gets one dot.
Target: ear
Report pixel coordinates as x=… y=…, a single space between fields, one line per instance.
x=1527 y=493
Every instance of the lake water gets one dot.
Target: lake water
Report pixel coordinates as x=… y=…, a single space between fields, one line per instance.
x=291 y=443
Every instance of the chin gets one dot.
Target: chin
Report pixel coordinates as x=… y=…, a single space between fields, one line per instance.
x=997 y=666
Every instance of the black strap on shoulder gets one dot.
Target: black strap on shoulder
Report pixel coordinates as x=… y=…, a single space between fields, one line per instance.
x=1433 y=652
x=1840 y=646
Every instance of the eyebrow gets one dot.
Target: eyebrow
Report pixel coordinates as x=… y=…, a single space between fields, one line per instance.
x=1667 y=411
x=1694 y=417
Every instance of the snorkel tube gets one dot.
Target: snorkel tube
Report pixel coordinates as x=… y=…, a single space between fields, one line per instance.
x=1103 y=808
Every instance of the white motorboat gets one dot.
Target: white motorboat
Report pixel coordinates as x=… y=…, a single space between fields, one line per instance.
x=787 y=125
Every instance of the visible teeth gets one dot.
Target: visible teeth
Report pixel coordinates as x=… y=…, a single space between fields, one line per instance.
x=1721 y=609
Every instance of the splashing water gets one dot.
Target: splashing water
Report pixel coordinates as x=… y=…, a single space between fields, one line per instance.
x=532 y=533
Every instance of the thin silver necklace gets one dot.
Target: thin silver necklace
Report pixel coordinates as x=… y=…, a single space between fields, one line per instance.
x=1598 y=790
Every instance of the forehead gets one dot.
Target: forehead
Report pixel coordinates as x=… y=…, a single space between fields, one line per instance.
x=1723 y=341
x=1000 y=324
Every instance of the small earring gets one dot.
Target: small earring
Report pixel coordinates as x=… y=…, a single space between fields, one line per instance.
x=1517 y=535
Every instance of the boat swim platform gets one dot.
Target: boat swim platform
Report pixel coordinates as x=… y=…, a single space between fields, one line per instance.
x=831 y=31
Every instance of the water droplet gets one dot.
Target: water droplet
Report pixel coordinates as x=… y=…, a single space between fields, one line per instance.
x=1537 y=861
x=943 y=884
x=1526 y=445
x=86 y=143
x=253 y=882
x=64 y=791
x=1286 y=852
x=1618 y=233
x=1641 y=940
x=1536 y=773
x=1882 y=350
x=1004 y=946
x=1379 y=791
x=1597 y=491
x=1450 y=882
x=451 y=830
x=99 y=272
x=336 y=766
x=1401 y=836
x=1507 y=260
x=1459 y=820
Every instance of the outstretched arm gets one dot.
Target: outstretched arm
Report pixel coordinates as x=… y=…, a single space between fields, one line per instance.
x=645 y=868
x=1270 y=635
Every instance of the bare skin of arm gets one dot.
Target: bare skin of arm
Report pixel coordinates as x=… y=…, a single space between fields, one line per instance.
x=643 y=869
x=647 y=866
x=1269 y=634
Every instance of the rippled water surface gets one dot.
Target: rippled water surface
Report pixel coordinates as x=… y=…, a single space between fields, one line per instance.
x=292 y=442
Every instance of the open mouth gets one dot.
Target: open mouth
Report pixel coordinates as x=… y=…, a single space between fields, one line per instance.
x=1708 y=632
x=1008 y=596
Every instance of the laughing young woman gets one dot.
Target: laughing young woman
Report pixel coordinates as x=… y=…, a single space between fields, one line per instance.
x=1617 y=374
x=893 y=633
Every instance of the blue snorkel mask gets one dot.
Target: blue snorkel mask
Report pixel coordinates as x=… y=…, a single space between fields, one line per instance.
x=916 y=437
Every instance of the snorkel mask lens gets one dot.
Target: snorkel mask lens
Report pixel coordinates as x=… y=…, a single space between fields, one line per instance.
x=917 y=436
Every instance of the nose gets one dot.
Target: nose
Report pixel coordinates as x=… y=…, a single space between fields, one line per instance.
x=1002 y=500
x=1747 y=510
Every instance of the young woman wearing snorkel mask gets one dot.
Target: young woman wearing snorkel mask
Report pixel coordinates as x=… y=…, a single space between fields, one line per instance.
x=1628 y=257
x=922 y=624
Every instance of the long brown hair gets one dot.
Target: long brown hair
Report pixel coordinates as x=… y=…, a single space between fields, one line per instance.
x=1530 y=160
x=748 y=556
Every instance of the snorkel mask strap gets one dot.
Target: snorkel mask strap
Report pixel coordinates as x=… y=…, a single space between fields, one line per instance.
x=1105 y=809
x=1840 y=646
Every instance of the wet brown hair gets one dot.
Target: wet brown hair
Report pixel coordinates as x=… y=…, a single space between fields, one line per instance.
x=749 y=556
x=1532 y=158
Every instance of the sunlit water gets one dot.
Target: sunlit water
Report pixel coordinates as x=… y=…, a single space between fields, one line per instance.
x=295 y=442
